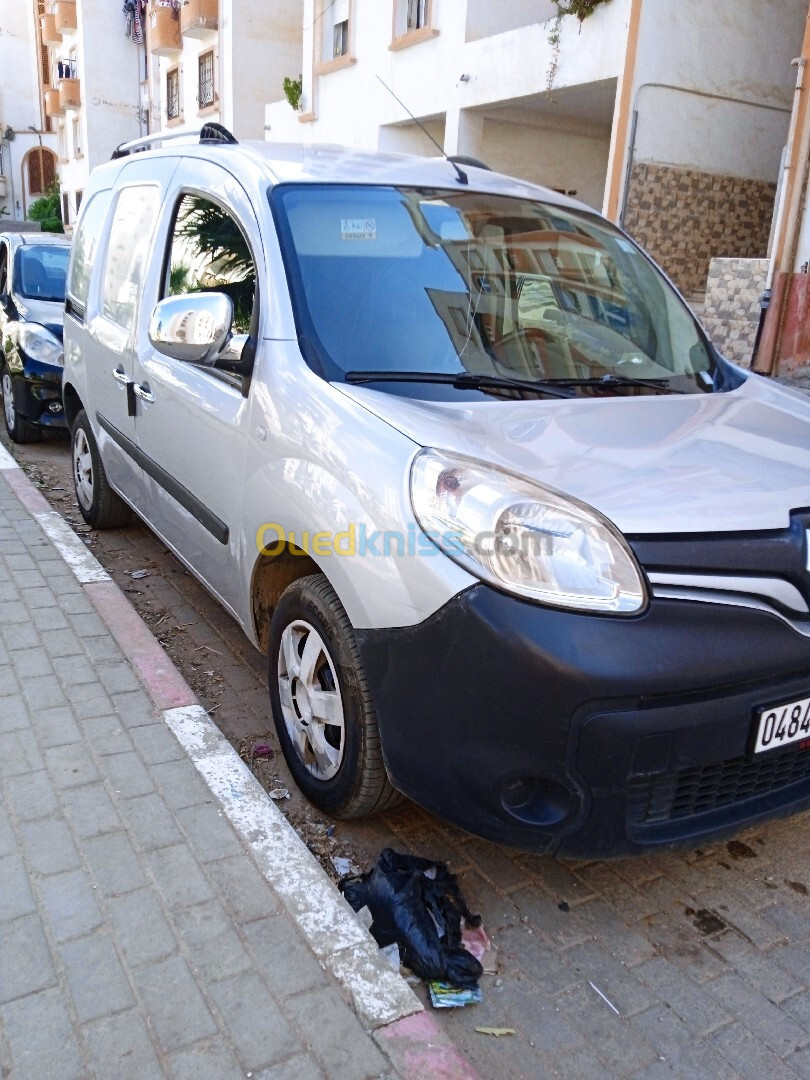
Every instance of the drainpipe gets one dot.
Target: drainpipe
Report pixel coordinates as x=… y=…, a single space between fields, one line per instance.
x=794 y=224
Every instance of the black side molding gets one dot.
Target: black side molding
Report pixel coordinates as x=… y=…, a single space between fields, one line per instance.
x=216 y=526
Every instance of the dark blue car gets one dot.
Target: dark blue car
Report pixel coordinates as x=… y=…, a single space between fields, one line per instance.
x=33 y=269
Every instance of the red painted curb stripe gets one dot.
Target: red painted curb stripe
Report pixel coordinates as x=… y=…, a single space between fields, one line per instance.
x=32 y=499
x=163 y=682
x=420 y=1050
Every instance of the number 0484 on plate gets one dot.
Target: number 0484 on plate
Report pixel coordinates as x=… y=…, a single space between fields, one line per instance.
x=781 y=725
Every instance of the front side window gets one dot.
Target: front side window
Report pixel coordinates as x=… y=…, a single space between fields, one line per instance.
x=127 y=250
x=40 y=272
x=400 y=279
x=210 y=253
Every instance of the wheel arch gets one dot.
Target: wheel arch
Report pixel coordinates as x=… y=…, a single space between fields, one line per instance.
x=72 y=403
x=271 y=576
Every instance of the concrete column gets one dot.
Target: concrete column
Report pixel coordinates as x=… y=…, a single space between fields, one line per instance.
x=464 y=133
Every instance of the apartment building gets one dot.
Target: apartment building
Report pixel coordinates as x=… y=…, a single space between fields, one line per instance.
x=669 y=115
x=28 y=161
x=220 y=60
x=94 y=100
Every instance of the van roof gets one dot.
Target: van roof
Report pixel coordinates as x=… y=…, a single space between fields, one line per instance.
x=322 y=163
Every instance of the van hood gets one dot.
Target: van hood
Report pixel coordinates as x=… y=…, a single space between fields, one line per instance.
x=654 y=464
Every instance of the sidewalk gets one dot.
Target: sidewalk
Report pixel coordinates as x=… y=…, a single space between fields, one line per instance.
x=158 y=916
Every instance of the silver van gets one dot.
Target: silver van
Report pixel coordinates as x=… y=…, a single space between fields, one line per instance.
x=517 y=542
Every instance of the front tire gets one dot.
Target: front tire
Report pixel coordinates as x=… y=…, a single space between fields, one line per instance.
x=19 y=429
x=99 y=505
x=322 y=706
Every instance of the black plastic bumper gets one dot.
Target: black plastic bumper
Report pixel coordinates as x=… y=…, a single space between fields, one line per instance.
x=36 y=386
x=588 y=735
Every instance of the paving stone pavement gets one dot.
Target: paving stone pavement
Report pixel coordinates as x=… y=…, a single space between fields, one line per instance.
x=703 y=957
x=138 y=938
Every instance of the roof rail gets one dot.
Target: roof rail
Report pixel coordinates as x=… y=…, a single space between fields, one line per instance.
x=209 y=133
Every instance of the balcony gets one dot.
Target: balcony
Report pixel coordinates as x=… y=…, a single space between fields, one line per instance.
x=50 y=35
x=70 y=96
x=164 y=31
x=53 y=106
x=65 y=16
x=197 y=17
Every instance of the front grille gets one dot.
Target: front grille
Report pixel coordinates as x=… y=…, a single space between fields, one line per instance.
x=684 y=794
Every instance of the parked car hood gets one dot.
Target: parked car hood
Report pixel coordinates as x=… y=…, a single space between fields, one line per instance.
x=48 y=313
x=652 y=464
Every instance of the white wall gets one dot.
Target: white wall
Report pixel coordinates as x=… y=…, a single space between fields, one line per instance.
x=733 y=48
x=20 y=101
x=552 y=158
x=351 y=107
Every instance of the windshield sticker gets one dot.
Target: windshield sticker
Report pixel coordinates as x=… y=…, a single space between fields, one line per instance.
x=358 y=228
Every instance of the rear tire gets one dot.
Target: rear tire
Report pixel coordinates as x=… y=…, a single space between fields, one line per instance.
x=99 y=505
x=316 y=676
x=19 y=429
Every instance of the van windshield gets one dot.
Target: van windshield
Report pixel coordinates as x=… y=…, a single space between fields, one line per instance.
x=409 y=280
x=41 y=272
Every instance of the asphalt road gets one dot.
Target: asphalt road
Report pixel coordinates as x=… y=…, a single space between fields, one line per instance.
x=693 y=964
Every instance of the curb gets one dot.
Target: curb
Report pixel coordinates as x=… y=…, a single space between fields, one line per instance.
x=386 y=1006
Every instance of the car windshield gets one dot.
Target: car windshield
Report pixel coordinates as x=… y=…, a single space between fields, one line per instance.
x=41 y=272
x=409 y=280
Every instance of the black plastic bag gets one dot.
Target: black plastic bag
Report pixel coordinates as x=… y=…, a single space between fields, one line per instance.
x=418 y=904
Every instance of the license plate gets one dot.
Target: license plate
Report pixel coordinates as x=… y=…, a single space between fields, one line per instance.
x=781 y=725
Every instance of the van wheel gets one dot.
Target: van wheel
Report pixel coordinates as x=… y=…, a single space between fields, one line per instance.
x=321 y=704
x=19 y=429
x=100 y=507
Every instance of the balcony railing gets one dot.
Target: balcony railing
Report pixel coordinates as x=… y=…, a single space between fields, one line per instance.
x=65 y=16
x=50 y=35
x=70 y=96
x=197 y=17
x=53 y=106
x=164 y=31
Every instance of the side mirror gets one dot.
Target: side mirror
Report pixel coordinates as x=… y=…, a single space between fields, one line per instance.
x=194 y=327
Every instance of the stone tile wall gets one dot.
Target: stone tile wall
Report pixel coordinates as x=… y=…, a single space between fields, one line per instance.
x=732 y=310
x=685 y=218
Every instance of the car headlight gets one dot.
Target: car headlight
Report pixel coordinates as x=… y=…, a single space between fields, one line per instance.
x=41 y=345
x=523 y=537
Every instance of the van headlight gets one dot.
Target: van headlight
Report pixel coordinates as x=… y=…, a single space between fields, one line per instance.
x=523 y=537
x=41 y=345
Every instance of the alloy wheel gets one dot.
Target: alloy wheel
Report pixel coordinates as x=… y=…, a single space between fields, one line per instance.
x=8 y=401
x=83 y=469
x=310 y=698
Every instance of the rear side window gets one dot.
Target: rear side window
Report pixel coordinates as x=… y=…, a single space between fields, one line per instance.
x=85 y=247
x=127 y=252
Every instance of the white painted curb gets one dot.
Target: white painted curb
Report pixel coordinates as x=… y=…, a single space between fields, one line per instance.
x=333 y=931
x=85 y=566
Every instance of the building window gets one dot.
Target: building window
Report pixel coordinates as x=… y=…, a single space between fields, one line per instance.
x=412 y=19
x=61 y=136
x=77 y=138
x=173 y=94
x=205 y=79
x=79 y=197
x=336 y=34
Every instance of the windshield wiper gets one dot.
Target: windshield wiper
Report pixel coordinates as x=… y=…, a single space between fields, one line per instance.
x=461 y=380
x=610 y=380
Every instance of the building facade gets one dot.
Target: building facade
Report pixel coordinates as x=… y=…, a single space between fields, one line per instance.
x=669 y=115
x=28 y=161
x=220 y=60
x=95 y=97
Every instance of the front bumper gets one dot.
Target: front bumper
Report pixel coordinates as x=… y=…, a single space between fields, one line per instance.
x=588 y=735
x=36 y=387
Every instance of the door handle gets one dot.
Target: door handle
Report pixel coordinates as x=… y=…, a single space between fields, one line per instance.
x=120 y=375
x=143 y=392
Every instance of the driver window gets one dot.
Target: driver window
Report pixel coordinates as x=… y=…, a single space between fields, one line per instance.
x=210 y=253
